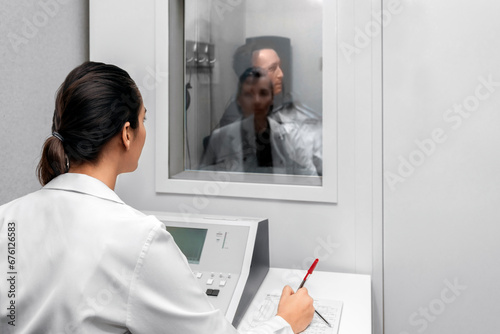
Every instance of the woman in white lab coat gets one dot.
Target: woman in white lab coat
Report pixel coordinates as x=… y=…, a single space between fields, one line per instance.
x=82 y=261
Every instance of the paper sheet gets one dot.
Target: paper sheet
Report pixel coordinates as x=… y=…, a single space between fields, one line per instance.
x=331 y=310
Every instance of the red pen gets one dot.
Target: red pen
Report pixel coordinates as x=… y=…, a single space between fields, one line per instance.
x=309 y=272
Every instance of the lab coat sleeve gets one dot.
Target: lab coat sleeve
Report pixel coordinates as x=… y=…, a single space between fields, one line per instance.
x=165 y=297
x=277 y=325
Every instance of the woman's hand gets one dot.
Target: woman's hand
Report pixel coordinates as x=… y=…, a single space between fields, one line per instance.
x=296 y=308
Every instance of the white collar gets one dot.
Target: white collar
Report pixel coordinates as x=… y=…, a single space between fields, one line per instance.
x=85 y=184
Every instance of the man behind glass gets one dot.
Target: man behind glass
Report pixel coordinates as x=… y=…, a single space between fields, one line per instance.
x=301 y=125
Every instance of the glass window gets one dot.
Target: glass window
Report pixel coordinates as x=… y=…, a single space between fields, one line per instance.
x=253 y=90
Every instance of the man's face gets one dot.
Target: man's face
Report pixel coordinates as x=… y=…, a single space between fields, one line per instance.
x=269 y=60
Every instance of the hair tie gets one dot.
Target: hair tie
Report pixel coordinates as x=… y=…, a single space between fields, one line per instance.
x=58 y=136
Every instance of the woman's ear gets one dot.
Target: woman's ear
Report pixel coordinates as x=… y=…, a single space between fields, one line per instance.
x=126 y=135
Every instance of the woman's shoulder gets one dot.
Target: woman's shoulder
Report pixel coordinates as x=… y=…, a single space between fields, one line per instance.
x=12 y=204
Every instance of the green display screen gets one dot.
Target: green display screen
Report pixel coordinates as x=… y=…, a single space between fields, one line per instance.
x=190 y=241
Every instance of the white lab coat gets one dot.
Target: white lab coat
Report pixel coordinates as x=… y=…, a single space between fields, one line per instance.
x=85 y=262
x=295 y=147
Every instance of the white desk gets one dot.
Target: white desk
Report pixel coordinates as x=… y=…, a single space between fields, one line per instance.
x=353 y=290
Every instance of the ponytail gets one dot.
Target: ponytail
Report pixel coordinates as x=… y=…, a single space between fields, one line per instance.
x=54 y=161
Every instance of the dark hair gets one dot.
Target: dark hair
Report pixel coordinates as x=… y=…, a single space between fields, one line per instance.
x=242 y=58
x=92 y=105
x=254 y=73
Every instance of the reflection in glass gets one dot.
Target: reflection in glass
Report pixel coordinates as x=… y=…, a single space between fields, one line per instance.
x=249 y=108
x=258 y=142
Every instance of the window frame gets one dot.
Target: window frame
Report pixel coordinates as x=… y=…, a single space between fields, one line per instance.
x=170 y=176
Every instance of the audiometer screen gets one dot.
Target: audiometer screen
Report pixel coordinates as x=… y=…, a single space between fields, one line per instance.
x=190 y=241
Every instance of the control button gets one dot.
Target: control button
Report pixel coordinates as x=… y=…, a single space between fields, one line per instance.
x=228 y=275
x=212 y=292
x=210 y=281
x=212 y=274
x=199 y=275
x=220 y=275
x=222 y=282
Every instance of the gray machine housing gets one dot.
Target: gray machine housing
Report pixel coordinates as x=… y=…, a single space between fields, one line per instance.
x=233 y=261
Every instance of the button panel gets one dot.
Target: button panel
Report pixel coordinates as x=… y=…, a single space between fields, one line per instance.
x=216 y=279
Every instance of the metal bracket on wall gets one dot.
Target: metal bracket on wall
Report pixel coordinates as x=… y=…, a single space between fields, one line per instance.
x=200 y=55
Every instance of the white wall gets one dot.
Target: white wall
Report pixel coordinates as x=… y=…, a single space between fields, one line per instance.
x=40 y=42
x=441 y=212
